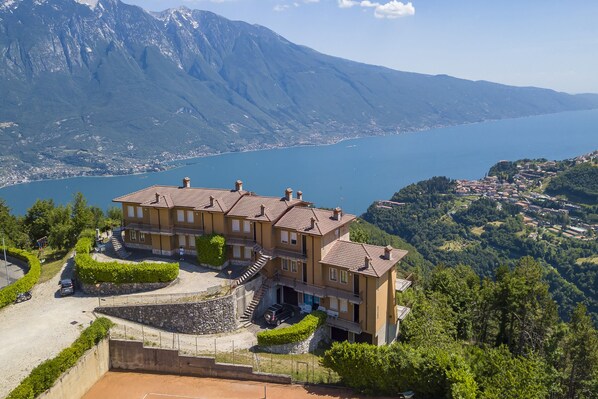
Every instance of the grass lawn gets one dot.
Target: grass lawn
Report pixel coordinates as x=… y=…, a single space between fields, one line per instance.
x=593 y=260
x=477 y=230
x=54 y=259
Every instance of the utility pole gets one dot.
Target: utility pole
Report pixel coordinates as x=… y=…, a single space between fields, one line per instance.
x=5 y=263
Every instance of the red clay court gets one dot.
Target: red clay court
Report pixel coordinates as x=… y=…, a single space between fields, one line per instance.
x=125 y=385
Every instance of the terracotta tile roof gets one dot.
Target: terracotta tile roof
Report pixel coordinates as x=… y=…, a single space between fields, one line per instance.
x=172 y=196
x=351 y=256
x=250 y=207
x=299 y=219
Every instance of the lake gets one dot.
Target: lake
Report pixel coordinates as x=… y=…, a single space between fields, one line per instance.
x=351 y=174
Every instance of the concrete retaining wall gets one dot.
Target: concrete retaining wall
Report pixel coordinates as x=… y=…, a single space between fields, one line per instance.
x=245 y=292
x=121 y=289
x=133 y=356
x=306 y=346
x=206 y=317
x=75 y=382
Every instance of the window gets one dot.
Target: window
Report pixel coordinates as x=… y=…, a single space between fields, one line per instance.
x=182 y=240
x=294 y=266
x=133 y=235
x=141 y=237
x=246 y=226
x=236 y=225
x=236 y=251
x=284 y=237
x=189 y=216
x=140 y=212
x=247 y=254
x=333 y=305
x=180 y=215
x=192 y=241
x=344 y=276
x=332 y=274
x=131 y=211
x=343 y=305
x=285 y=264
x=294 y=238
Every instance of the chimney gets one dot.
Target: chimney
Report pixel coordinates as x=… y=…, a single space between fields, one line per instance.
x=157 y=197
x=288 y=194
x=211 y=200
x=368 y=261
x=337 y=214
x=262 y=210
x=388 y=252
x=186 y=182
x=300 y=195
x=238 y=185
x=313 y=222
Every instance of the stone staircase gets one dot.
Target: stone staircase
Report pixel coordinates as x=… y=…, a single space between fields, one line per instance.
x=253 y=269
x=248 y=315
x=118 y=245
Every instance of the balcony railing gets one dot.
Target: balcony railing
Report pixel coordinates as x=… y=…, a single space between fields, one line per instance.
x=343 y=324
x=151 y=229
x=321 y=292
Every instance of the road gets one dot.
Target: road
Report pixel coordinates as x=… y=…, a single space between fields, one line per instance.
x=15 y=272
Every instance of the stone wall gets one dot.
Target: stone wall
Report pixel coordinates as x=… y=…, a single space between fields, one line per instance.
x=76 y=381
x=306 y=346
x=133 y=356
x=245 y=292
x=206 y=317
x=122 y=289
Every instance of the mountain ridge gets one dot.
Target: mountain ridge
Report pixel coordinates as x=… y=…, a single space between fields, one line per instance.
x=84 y=82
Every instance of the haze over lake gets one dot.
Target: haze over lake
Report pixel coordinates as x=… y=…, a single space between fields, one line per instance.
x=353 y=173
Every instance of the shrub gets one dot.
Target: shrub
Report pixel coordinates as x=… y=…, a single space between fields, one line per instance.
x=211 y=249
x=91 y=271
x=43 y=376
x=9 y=293
x=295 y=333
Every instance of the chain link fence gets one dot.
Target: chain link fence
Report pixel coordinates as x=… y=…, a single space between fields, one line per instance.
x=304 y=368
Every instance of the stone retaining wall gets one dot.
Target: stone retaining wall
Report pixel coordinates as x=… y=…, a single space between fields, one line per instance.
x=122 y=289
x=306 y=346
x=206 y=317
x=133 y=356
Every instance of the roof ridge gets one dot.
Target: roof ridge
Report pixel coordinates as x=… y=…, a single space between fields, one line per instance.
x=135 y=192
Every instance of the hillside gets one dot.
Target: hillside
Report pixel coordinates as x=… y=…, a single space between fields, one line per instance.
x=111 y=88
x=450 y=225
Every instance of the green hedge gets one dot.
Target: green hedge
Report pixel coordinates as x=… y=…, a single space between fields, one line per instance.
x=43 y=376
x=90 y=271
x=211 y=249
x=9 y=293
x=295 y=333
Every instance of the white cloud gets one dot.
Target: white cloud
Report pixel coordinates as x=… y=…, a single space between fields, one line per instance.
x=281 y=7
x=391 y=10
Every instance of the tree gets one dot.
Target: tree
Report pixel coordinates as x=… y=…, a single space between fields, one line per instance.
x=11 y=228
x=82 y=216
x=37 y=219
x=62 y=233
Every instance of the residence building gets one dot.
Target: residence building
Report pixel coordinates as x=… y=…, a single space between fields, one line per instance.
x=304 y=253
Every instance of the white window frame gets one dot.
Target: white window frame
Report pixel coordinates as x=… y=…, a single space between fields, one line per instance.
x=343 y=305
x=293 y=266
x=237 y=251
x=236 y=225
x=182 y=240
x=130 y=211
x=180 y=215
x=246 y=226
x=140 y=212
x=192 y=241
x=190 y=218
x=344 y=275
x=333 y=303
x=247 y=251
x=332 y=274
x=141 y=237
x=293 y=238
x=284 y=262
x=133 y=235
x=284 y=237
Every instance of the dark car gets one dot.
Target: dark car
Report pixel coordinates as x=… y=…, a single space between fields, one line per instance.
x=67 y=287
x=278 y=313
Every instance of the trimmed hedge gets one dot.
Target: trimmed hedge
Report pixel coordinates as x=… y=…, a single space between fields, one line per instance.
x=45 y=375
x=90 y=271
x=295 y=333
x=211 y=249
x=9 y=293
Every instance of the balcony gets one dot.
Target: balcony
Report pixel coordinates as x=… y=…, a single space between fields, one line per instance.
x=151 y=229
x=346 y=325
x=283 y=253
x=321 y=292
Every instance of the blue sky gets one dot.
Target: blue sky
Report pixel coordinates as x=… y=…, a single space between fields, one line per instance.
x=542 y=43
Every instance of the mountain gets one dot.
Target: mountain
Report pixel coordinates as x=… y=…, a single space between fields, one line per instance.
x=102 y=86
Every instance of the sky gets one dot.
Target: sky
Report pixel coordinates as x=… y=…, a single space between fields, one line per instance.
x=543 y=43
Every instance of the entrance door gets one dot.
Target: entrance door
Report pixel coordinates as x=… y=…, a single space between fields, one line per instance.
x=304 y=244
x=279 y=295
x=356 y=313
x=305 y=272
x=356 y=284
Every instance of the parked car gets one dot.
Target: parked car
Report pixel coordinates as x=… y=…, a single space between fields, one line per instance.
x=66 y=287
x=23 y=296
x=278 y=313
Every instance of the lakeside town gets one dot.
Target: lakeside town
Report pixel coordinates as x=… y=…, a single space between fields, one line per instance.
x=525 y=189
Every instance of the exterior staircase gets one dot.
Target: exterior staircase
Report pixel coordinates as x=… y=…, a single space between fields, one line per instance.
x=248 y=315
x=118 y=244
x=253 y=269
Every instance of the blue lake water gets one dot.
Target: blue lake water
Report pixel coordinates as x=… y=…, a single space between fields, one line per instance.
x=351 y=174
